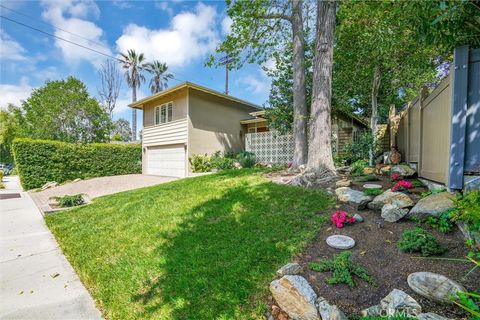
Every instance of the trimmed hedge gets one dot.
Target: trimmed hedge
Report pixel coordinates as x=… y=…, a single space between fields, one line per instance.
x=40 y=161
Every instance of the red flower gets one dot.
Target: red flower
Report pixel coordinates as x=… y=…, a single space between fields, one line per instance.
x=402 y=185
x=395 y=176
x=339 y=218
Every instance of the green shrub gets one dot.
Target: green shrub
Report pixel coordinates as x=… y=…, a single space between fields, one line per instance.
x=443 y=222
x=467 y=210
x=40 y=161
x=1 y=175
x=70 y=201
x=200 y=163
x=419 y=240
x=343 y=269
x=417 y=183
x=356 y=168
x=360 y=149
x=373 y=192
x=367 y=178
x=246 y=159
x=221 y=162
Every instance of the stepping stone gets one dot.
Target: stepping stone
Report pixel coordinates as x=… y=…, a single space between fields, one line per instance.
x=372 y=186
x=340 y=242
x=433 y=286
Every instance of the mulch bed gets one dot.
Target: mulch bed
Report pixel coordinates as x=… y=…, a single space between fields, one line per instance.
x=376 y=250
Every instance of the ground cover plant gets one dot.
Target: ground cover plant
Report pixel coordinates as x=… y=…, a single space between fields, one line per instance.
x=198 y=248
x=419 y=240
x=343 y=269
x=356 y=168
x=373 y=192
x=70 y=200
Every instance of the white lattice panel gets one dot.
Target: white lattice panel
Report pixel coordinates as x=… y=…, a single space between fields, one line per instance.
x=270 y=147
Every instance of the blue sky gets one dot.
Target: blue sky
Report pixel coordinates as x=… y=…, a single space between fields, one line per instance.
x=181 y=33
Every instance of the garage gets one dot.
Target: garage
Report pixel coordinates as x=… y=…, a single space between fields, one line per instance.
x=166 y=161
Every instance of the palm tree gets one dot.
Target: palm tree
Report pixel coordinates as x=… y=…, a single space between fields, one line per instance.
x=160 y=76
x=133 y=63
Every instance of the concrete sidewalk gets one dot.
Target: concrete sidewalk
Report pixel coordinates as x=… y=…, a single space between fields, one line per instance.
x=36 y=280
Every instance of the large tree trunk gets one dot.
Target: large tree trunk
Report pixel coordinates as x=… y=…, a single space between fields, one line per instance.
x=320 y=158
x=377 y=78
x=134 y=114
x=299 y=96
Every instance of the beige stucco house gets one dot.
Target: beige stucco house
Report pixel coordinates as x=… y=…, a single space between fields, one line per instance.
x=189 y=119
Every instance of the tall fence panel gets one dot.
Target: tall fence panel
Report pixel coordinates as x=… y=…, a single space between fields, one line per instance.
x=435 y=127
x=413 y=127
x=270 y=146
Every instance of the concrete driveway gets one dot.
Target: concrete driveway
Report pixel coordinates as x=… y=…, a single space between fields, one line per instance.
x=36 y=280
x=97 y=187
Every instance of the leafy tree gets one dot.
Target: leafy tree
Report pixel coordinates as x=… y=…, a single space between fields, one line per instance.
x=133 y=63
x=121 y=130
x=110 y=84
x=63 y=110
x=260 y=28
x=9 y=130
x=160 y=77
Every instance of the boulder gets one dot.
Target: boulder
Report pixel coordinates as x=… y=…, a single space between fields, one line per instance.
x=329 y=312
x=343 y=183
x=432 y=205
x=392 y=213
x=340 y=242
x=291 y=268
x=368 y=171
x=296 y=297
x=403 y=170
x=430 y=316
x=385 y=170
x=433 y=286
x=346 y=194
x=399 y=199
x=394 y=303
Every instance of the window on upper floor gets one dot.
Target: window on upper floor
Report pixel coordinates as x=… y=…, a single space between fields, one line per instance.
x=163 y=113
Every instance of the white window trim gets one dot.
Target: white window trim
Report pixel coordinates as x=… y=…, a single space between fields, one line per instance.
x=158 y=109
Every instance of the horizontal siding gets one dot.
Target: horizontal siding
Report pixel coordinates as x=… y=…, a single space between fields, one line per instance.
x=169 y=133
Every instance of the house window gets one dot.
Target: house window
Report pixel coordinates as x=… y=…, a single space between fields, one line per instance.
x=163 y=113
x=356 y=135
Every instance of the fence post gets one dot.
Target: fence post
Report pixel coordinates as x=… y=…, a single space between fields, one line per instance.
x=423 y=96
x=407 y=135
x=458 y=118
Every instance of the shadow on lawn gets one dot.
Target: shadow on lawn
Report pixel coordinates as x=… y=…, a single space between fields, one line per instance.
x=219 y=263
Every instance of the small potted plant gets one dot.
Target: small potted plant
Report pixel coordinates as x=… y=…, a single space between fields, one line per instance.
x=340 y=218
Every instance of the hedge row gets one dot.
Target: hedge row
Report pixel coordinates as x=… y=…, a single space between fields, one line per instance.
x=40 y=161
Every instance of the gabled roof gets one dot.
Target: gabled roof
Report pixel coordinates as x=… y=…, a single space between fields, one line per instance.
x=139 y=104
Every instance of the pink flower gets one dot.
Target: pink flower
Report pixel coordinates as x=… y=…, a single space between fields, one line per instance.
x=402 y=185
x=339 y=218
x=395 y=176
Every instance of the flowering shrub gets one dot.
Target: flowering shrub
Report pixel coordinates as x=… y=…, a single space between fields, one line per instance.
x=339 y=218
x=402 y=185
x=395 y=176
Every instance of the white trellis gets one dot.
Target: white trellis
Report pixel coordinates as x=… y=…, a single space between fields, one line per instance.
x=270 y=146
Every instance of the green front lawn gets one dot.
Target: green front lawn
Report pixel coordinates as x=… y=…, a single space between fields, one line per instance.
x=199 y=248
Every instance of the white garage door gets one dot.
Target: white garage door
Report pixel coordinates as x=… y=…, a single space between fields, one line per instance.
x=166 y=161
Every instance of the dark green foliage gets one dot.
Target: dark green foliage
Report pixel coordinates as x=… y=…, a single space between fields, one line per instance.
x=221 y=162
x=356 y=168
x=443 y=223
x=367 y=178
x=343 y=269
x=246 y=159
x=40 y=161
x=419 y=240
x=355 y=151
x=433 y=191
x=467 y=210
x=417 y=183
x=373 y=192
x=70 y=201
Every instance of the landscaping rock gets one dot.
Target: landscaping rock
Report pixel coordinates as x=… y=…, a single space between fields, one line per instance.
x=340 y=242
x=432 y=205
x=433 y=286
x=399 y=199
x=346 y=194
x=395 y=302
x=294 y=295
x=368 y=170
x=291 y=268
x=403 y=170
x=49 y=185
x=329 y=312
x=372 y=186
x=430 y=316
x=358 y=217
x=76 y=180
x=392 y=213
x=385 y=169
x=343 y=183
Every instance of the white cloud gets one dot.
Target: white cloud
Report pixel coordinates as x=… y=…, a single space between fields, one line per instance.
x=254 y=84
x=190 y=35
x=10 y=49
x=227 y=25
x=70 y=15
x=122 y=4
x=10 y=93
x=165 y=6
